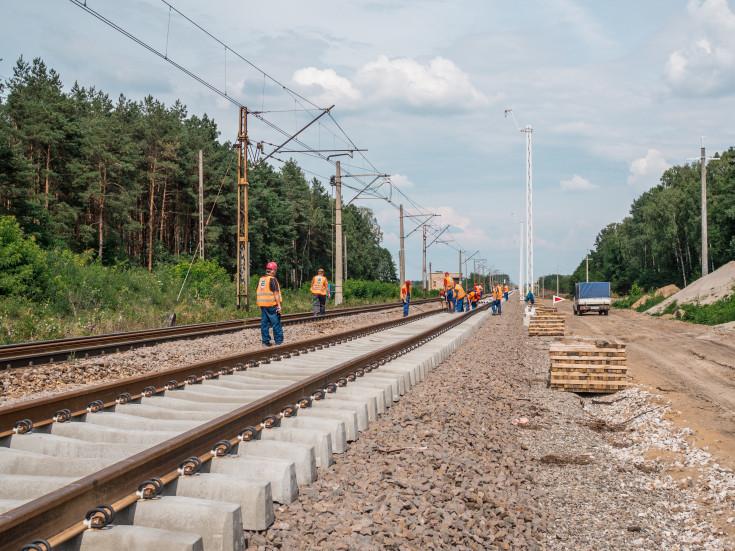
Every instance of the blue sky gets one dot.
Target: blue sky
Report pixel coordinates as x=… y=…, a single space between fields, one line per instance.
x=616 y=92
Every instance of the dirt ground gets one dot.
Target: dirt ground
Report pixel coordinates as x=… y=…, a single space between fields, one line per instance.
x=691 y=366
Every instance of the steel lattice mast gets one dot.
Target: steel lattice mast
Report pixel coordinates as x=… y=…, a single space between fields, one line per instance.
x=529 y=204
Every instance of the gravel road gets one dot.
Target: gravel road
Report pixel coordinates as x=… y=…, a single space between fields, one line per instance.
x=482 y=455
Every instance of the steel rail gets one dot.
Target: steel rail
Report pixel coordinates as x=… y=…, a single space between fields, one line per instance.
x=60 y=350
x=42 y=411
x=56 y=512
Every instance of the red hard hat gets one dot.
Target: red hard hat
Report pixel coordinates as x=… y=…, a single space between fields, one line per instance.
x=408 y=282
x=446 y=273
x=272 y=266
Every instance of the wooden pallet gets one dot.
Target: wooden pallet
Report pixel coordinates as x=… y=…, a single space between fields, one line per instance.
x=546 y=323
x=588 y=367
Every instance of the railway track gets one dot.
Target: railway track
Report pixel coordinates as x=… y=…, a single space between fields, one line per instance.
x=61 y=350
x=217 y=442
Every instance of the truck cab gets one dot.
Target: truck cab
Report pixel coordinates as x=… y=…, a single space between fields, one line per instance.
x=592 y=296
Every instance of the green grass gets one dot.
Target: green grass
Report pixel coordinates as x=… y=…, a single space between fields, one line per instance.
x=722 y=311
x=650 y=303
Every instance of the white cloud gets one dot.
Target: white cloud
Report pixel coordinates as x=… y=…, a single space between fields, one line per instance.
x=440 y=83
x=577 y=183
x=706 y=66
x=646 y=172
x=334 y=89
x=403 y=81
x=401 y=181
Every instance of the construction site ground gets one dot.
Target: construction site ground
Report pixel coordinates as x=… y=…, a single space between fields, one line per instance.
x=691 y=366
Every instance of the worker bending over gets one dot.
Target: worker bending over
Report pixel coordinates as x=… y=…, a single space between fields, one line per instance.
x=320 y=291
x=406 y=296
x=269 y=300
x=473 y=298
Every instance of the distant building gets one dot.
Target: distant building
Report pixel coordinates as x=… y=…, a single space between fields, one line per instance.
x=436 y=280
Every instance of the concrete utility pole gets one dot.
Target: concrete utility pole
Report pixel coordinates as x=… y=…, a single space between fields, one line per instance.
x=587 y=271
x=338 y=237
x=402 y=253
x=460 y=267
x=201 y=206
x=243 y=247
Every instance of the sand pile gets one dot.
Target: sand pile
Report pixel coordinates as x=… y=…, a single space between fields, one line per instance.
x=706 y=290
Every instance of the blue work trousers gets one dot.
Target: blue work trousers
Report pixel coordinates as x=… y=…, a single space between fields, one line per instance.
x=270 y=318
x=506 y=296
x=497 y=304
x=405 y=306
x=474 y=305
x=450 y=300
x=460 y=305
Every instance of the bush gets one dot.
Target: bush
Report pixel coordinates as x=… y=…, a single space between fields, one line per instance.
x=353 y=288
x=23 y=268
x=203 y=277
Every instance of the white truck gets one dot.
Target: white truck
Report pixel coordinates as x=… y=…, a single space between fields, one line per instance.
x=592 y=296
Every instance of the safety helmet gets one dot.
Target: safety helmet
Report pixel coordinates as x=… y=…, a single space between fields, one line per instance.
x=272 y=266
x=446 y=273
x=408 y=282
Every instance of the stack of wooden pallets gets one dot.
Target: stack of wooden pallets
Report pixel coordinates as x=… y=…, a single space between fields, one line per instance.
x=546 y=322
x=588 y=367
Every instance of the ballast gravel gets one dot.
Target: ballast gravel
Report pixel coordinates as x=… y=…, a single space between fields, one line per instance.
x=40 y=381
x=483 y=455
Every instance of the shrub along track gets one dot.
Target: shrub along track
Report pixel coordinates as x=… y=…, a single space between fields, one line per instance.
x=116 y=484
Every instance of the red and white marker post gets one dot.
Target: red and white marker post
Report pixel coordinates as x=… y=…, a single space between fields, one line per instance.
x=558 y=299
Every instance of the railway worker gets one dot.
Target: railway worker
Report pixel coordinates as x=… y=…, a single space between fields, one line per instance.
x=269 y=300
x=320 y=291
x=505 y=292
x=449 y=291
x=406 y=296
x=529 y=298
x=497 y=296
x=459 y=297
x=472 y=297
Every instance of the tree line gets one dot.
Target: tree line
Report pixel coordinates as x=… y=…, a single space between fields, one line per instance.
x=660 y=242
x=81 y=170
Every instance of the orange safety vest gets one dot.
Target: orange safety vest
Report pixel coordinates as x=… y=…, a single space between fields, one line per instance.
x=319 y=285
x=473 y=296
x=505 y=288
x=266 y=297
x=497 y=293
x=405 y=291
x=448 y=283
x=460 y=291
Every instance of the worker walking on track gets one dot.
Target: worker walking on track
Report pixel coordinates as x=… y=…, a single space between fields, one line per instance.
x=505 y=292
x=406 y=296
x=497 y=296
x=269 y=300
x=320 y=290
x=449 y=291
x=459 y=295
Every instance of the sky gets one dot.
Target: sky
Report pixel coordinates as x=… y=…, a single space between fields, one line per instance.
x=615 y=92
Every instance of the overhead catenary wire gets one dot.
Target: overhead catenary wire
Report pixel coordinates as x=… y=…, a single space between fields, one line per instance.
x=298 y=100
